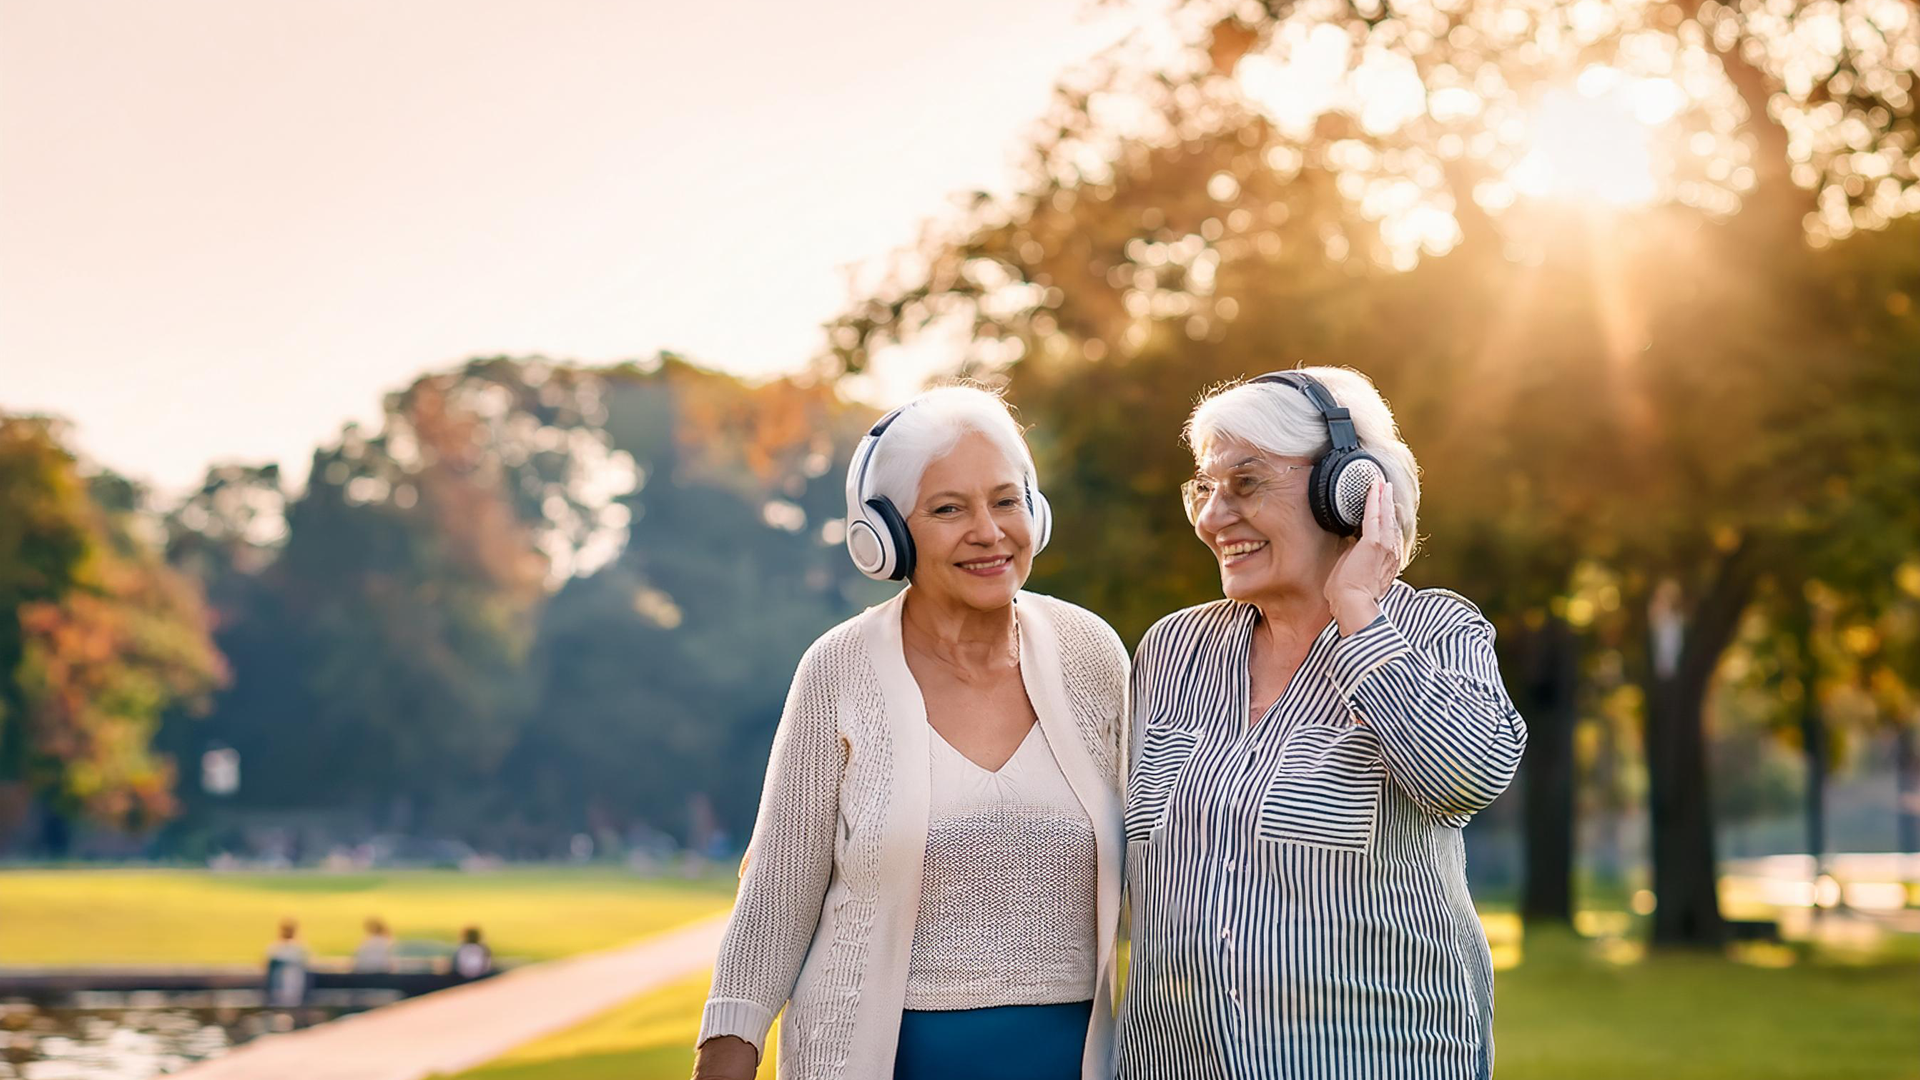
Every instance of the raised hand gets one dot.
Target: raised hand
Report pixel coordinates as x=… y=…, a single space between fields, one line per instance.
x=1369 y=565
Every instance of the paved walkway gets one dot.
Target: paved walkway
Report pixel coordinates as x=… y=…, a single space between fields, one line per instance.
x=465 y=1026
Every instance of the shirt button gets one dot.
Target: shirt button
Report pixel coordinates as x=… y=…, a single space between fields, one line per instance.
x=1223 y=933
x=1229 y=866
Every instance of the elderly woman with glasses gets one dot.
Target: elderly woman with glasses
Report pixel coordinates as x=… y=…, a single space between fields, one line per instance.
x=1304 y=755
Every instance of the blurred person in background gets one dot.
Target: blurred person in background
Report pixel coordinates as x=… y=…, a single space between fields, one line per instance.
x=287 y=968
x=472 y=959
x=933 y=885
x=376 y=950
x=1305 y=754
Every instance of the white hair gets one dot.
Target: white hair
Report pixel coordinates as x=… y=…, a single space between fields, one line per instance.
x=1278 y=419
x=930 y=426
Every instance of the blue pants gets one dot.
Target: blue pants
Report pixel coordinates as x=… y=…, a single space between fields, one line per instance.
x=1011 y=1042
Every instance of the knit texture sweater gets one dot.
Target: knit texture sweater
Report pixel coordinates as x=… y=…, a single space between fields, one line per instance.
x=824 y=919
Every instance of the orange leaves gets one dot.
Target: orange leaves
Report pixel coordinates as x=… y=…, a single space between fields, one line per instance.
x=1228 y=42
x=97 y=671
x=761 y=434
x=109 y=637
x=463 y=487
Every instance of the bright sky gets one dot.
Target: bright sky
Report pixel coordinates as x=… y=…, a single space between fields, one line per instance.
x=228 y=226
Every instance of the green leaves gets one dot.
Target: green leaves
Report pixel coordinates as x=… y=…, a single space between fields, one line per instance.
x=98 y=637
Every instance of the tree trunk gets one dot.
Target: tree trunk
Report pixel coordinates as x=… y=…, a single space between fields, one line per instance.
x=1684 y=879
x=1684 y=647
x=1551 y=658
x=1813 y=747
x=56 y=834
x=1906 y=764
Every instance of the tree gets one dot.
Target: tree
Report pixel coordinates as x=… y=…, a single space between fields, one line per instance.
x=541 y=600
x=99 y=638
x=387 y=615
x=664 y=672
x=1334 y=181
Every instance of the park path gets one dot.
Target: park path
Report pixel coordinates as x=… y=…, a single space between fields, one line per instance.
x=464 y=1026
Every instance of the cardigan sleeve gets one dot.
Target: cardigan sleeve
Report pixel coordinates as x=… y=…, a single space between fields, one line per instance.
x=1426 y=680
x=789 y=862
x=1105 y=678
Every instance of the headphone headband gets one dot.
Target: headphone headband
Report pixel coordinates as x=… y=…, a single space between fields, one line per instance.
x=863 y=454
x=881 y=425
x=1339 y=420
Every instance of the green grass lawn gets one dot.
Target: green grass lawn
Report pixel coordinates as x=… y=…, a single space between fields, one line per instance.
x=193 y=916
x=650 y=1036
x=1562 y=1014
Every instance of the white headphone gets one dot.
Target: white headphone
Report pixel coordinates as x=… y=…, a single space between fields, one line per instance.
x=877 y=535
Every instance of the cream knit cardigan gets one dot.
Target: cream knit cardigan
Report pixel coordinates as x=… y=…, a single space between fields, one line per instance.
x=823 y=923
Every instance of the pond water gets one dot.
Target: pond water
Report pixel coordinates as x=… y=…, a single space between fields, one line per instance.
x=135 y=1036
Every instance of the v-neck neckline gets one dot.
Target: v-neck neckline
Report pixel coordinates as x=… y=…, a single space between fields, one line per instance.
x=1024 y=740
x=1250 y=625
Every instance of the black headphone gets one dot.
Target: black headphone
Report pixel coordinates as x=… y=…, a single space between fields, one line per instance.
x=877 y=535
x=1341 y=478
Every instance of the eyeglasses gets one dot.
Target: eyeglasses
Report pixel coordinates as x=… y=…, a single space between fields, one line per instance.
x=1243 y=492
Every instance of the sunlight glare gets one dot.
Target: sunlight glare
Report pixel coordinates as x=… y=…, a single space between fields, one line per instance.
x=1596 y=141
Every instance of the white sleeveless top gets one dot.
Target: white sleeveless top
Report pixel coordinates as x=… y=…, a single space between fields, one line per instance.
x=1009 y=885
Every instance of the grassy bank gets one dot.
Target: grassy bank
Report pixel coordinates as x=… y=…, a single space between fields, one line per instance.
x=1567 y=1009
x=650 y=1036
x=1563 y=1014
x=198 y=917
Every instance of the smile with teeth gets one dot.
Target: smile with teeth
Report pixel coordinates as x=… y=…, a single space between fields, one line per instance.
x=1239 y=549
x=981 y=565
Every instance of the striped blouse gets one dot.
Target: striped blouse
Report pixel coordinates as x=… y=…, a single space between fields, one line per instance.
x=1297 y=887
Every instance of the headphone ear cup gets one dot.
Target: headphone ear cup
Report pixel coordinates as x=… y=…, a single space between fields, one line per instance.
x=897 y=538
x=869 y=551
x=1319 y=493
x=1042 y=519
x=869 y=542
x=1343 y=490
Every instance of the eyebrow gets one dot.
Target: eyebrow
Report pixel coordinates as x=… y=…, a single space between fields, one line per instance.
x=962 y=495
x=1230 y=468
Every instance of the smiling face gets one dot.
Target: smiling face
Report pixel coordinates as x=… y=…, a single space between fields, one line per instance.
x=972 y=536
x=1258 y=524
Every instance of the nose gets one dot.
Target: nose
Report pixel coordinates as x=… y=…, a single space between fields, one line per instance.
x=982 y=528
x=1215 y=514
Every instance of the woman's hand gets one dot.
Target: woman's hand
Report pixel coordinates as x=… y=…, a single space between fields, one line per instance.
x=726 y=1057
x=1369 y=565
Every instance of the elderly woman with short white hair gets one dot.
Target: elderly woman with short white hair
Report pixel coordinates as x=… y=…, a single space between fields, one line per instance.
x=933 y=885
x=1305 y=753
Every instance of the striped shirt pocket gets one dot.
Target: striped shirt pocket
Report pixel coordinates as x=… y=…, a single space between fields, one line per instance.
x=1164 y=753
x=1326 y=791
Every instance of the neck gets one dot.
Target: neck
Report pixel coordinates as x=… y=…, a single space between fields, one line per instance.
x=1290 y=617
x=956 y=633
